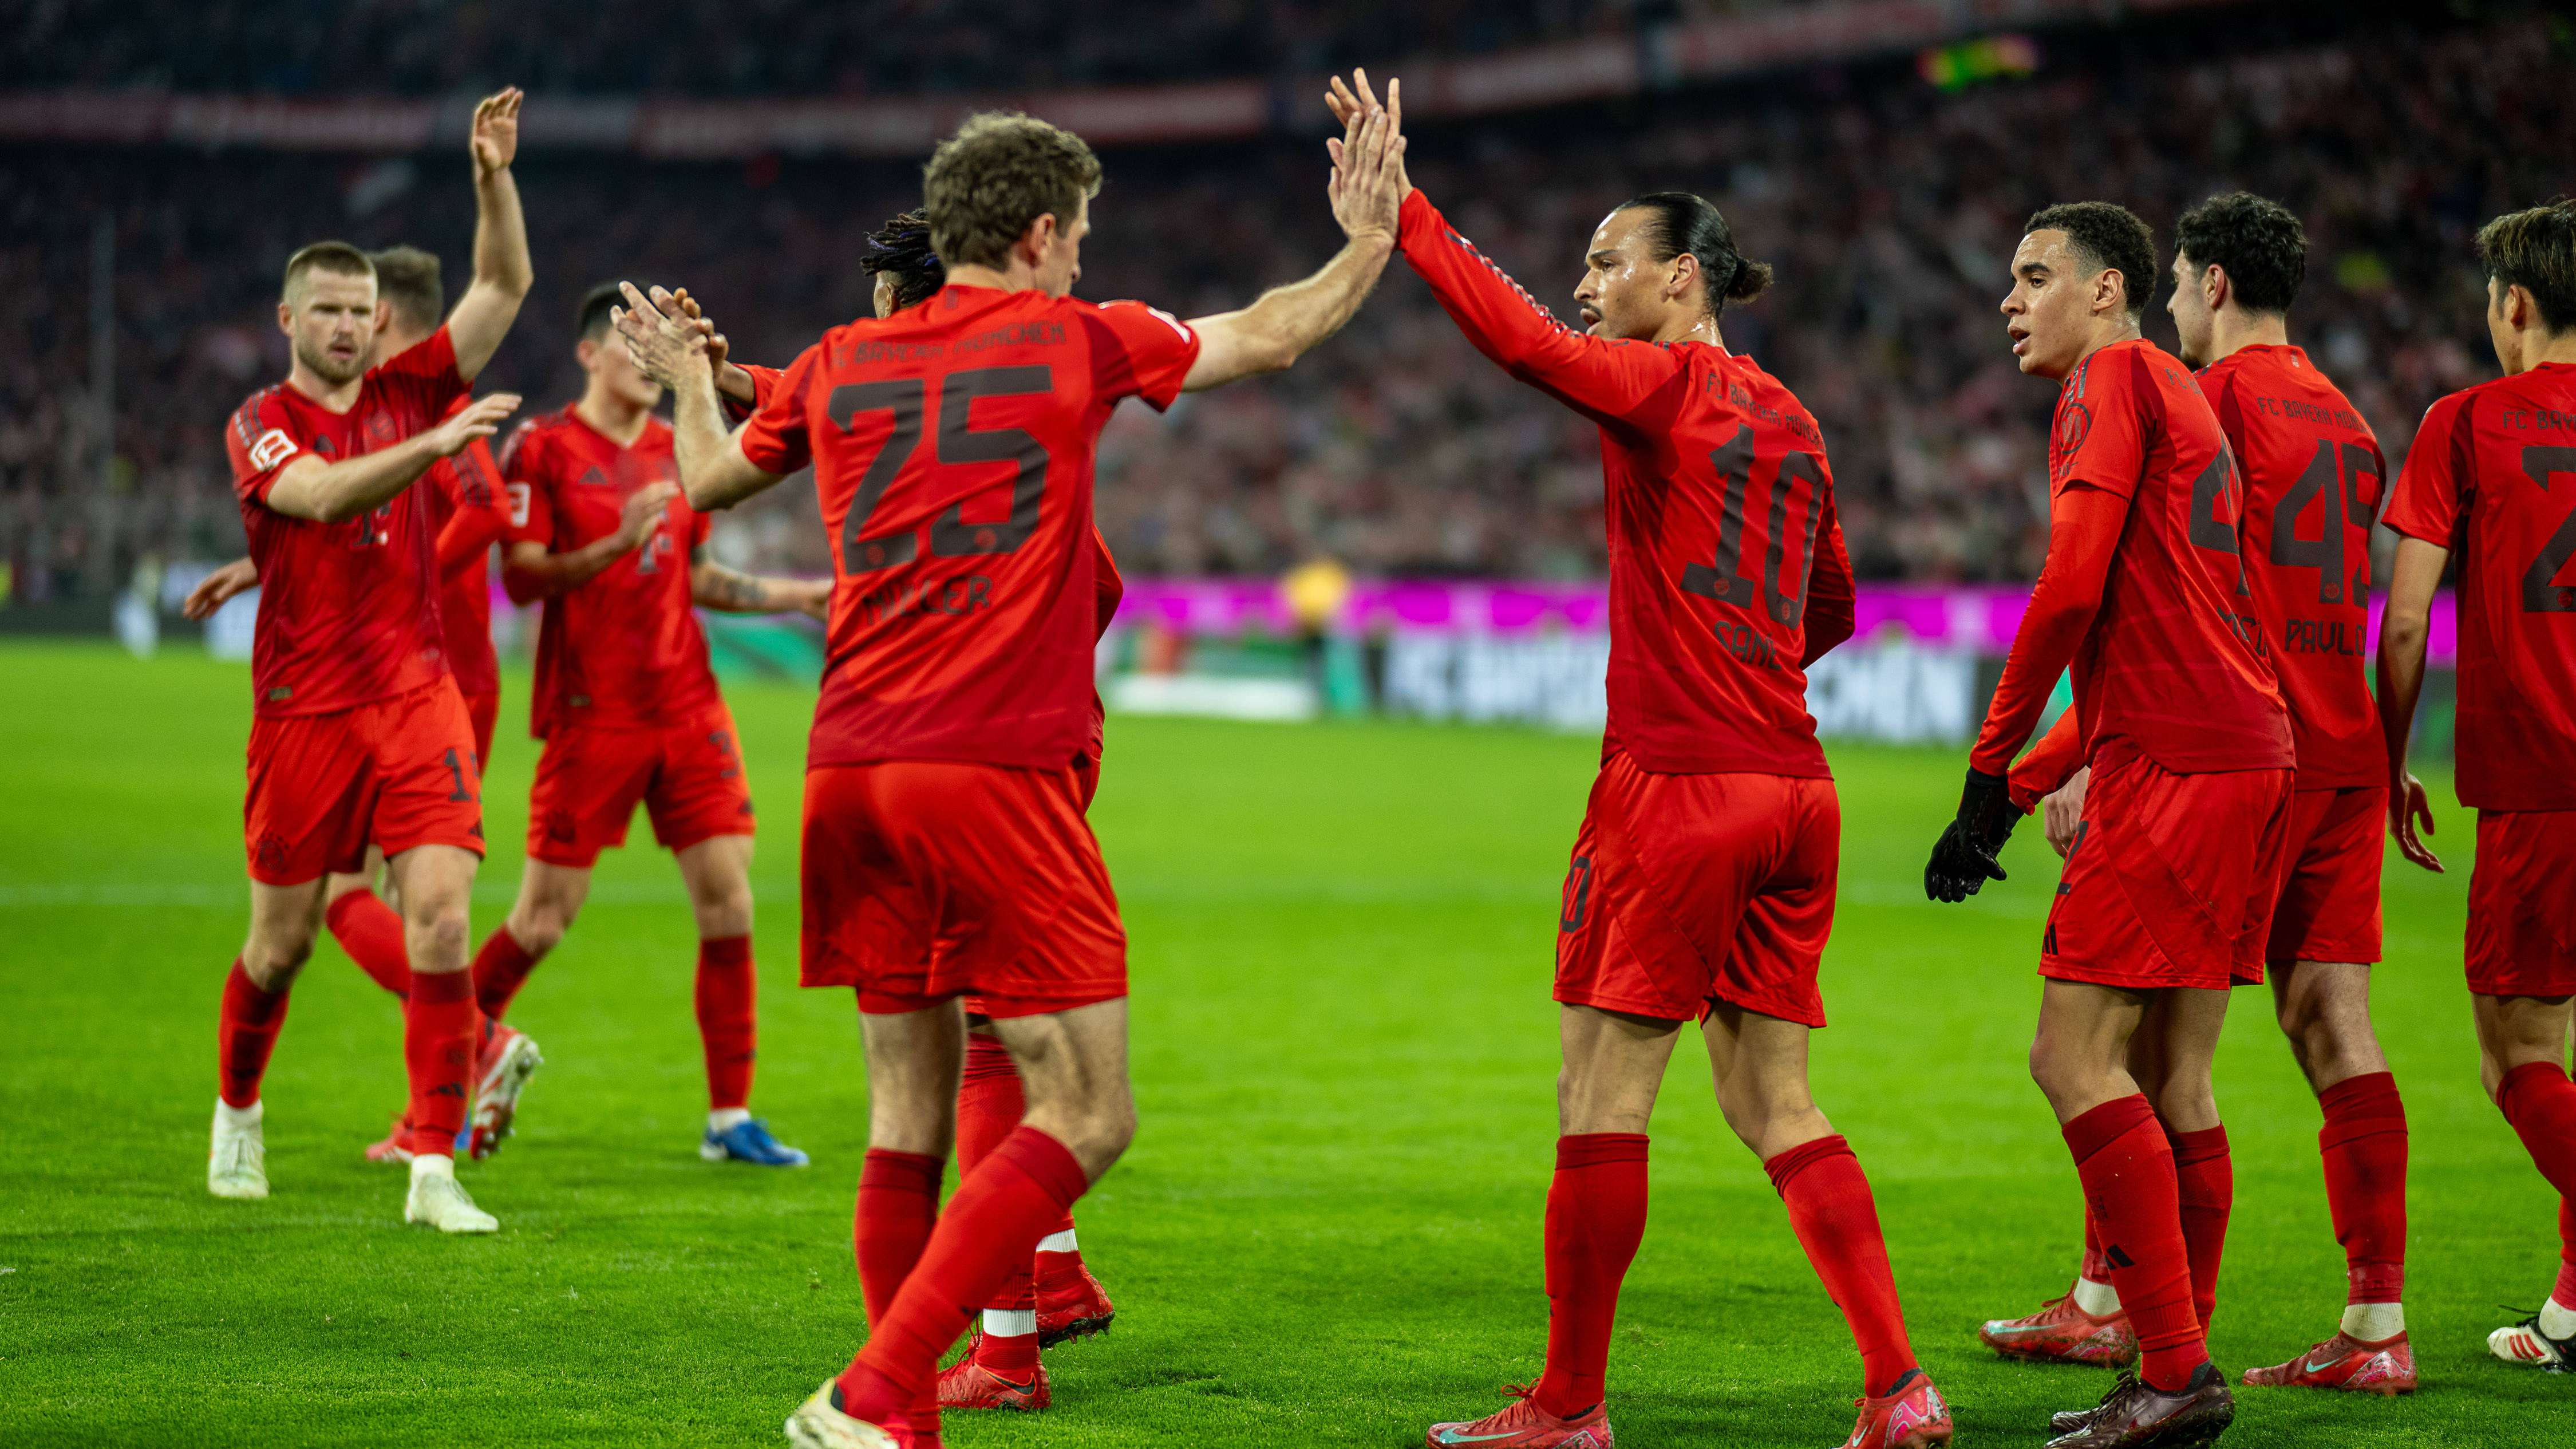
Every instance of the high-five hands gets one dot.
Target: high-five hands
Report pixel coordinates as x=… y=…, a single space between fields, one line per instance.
x=1963 y=860
x=1368 y=184
x=667 y=344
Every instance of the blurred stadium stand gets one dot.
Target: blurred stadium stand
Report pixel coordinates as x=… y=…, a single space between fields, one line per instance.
x=1887 y=195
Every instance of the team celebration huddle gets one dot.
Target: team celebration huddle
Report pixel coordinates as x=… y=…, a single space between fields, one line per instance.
x=2219 y=789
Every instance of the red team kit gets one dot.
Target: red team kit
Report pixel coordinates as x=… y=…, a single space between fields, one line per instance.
x=2225 y=771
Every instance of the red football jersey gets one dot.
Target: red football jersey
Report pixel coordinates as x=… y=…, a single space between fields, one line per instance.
x=965 y=601
x=348 y=611
x=624 y=649
x=2174 y=663
x=1107 y=588
x=2492 y=476
x=2313 y=485
x=1721 y=516
x=464 y=496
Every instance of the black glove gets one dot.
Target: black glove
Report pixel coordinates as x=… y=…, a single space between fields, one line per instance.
x=1963 y=860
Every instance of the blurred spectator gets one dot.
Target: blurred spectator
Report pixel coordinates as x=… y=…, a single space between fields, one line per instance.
x=1889 y=209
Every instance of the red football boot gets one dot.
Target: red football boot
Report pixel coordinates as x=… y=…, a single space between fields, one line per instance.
x=967 y=1384
x=1522 y=1424
x=2347 y=1363
x=2060 y=1332
x=396 y=1148
x=1914 y=1417
x=1071 y=1303
x=501 y=1070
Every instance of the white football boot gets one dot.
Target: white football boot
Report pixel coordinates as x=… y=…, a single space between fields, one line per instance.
x=237 y=1162
x=439 y=1200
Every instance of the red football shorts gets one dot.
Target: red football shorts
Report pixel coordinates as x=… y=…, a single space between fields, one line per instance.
x=590 y=779
x=1688 y=891
x=1086 y=785
x=2329 y=905
x=401 y=772
x=485 y=711
x=928 y=879
x=2522 y=904
x=2172 y=880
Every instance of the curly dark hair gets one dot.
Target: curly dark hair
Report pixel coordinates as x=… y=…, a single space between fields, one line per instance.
x=999 y=173
x=2256 y=241
x=2536 y=251
x=2107 y=237
x=900 y=252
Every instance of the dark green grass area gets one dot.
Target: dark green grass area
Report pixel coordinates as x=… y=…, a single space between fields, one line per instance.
x=1327 y=1233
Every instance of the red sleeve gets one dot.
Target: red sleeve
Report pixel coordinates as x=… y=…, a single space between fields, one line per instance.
x=774 y=440
x=480 y=518
x=1146 y=353
x=2049 y=764
x=2099 y=437
x=531 y=512
x=764 y=386
x=260 y=440
x=2083 y=536
x=1610 y=380
x=2427 y=501
x=427 y=369
x=1830 y=595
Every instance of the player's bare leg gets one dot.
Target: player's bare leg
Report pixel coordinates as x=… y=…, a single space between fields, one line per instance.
x=2324 y=1012
x=1596 y=1214
x=439 y=1029
x=283 y=921
x=2080 y=1057
x=2522 y=1055
x=1760 y=1066
x=717 y=872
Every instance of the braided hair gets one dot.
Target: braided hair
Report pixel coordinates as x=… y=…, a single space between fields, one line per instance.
x=900 y=252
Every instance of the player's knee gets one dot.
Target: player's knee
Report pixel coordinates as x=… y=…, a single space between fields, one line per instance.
x=438 y=930
x=272 y=963
x=537 y=930
x=2061 y=1074
x=723 y=910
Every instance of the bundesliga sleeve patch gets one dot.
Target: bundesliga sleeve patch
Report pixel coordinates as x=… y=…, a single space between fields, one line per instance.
x=274 y=447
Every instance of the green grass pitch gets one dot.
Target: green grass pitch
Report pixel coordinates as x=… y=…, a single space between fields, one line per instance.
x=1327 y=1232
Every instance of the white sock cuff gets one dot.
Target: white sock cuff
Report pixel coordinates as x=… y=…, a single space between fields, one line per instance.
x=232 y=1116
x=1010 y=1322
x=2097 y=1299
x=723 y=1119
x=2374 y=1322
x=1058 y=1243
x=2557 y=1319
x=433 y=1164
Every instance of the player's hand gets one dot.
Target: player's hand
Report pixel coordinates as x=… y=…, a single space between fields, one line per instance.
x=643 y=512
x=496 y=132
x=2064 y=811
x=1963 y=860
x=814 y=600
x=1368 y=184
x=2409 y=809
x=480 y=418
x=216 y=589
x=669 y=347
x=732 y=381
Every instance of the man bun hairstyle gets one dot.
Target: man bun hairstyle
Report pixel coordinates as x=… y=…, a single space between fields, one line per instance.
x=2106 y=237
x=1680 y=221
x=999 y=173
x=2256 y=241
x=336 y=257
x=590 y=323
x=2536 y=251
x=899 y=251
x=408 y=278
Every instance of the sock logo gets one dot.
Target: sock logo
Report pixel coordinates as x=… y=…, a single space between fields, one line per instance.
x=2119 y=1257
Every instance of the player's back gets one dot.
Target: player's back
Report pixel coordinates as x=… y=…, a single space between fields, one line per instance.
x=2313 y=483
x=1720 y=513
x=952 y=446
x=2175 y=665
x=2492 y=476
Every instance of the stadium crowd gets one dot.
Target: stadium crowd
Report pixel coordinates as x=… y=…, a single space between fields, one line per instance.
x=1889 y=210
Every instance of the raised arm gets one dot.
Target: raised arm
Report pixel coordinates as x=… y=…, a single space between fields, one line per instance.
x=731 y=591
x=671 y=349
x=2403 y=630
x=329 y=492
x=502 y=271
x=1366 y=185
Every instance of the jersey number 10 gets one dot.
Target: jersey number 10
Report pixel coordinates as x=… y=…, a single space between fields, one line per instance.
x=1784 y=598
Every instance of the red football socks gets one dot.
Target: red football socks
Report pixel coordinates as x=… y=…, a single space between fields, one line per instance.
x=500 y=969
x=2204 y=1190
x=246 y=1027
x=2565 y=1292
x=990 y=1104
x=1596 y=1215
x=372 y=934
x=439 y=1022
x=898 y=1205
x=1837 y=1223
x=2540 y=1103
x=995 y=1219
x=728 y=1021
x=2364 y=1146
x=2128 y=1173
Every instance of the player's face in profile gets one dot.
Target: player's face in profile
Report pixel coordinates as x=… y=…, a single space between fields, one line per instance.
x=330 y=318
x=1061 y=266
x=2193 y=321
x=617 y=372
x=2048 y=311
x=1623 y=290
